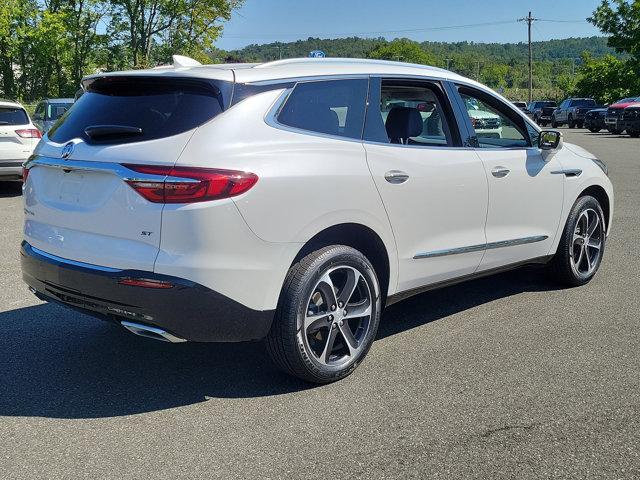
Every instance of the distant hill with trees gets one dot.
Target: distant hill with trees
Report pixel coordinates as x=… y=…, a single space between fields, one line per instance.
x=502 y=66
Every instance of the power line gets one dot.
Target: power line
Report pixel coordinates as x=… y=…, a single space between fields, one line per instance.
x=350 y=34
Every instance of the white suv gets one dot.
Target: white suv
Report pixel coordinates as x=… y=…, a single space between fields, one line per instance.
x=18 y=138
x=291 y=201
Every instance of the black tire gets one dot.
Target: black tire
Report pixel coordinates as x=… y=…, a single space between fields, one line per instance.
x=580 y=124
x=554 y=124
x=594 y=130
x=289 y=344
x=634 y=133
x=615 y=132
x=562 y=267
x=571 y=122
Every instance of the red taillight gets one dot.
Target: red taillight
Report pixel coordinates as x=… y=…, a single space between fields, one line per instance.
x=145 y=283
x=190 y=184
x=25 y=174
x=29 y=133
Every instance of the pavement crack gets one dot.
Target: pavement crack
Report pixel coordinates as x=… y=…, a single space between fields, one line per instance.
x=507 y=428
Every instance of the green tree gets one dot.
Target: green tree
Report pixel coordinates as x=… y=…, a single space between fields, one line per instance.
x=606 y=79
x=620 y=19
x=169 y=26
x=403 y=50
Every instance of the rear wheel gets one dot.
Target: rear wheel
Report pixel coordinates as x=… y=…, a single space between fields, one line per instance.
x=582 y=244
x=554 y=124
x=580 y=124
x=328 y=315
x=571 y=123
x=594 y=130
x=634 y=133
x=615 y=131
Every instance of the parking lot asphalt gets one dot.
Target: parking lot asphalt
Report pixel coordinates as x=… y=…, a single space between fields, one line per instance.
x=503 y=377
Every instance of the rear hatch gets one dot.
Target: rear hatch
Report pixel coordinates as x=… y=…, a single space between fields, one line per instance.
x=17 y=137
x=78 y=204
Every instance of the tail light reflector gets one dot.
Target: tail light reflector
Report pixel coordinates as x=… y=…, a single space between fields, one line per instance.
x=29 y=133
x=25 y=174
x=190 y=184
x=145 y=283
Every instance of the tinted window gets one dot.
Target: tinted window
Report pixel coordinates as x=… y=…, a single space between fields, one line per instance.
x=56 y=110
x=333 y=107
x=494 y=123
x=155 y=108
x=408 y=113
x=13 y=116
x=585 y=102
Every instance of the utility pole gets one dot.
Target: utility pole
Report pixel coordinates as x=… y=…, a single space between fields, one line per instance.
x=529 y=21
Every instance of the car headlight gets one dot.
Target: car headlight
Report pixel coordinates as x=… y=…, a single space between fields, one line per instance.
x=602 y=165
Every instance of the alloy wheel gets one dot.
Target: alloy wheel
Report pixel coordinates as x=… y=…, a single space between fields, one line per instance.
x=586 y=247
x=338 y=316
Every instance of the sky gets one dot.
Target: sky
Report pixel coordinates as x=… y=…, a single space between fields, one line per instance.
x=265 y=21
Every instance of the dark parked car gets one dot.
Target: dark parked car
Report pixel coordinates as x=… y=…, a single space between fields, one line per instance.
x=541 y=111
x=572 y=112
x=630 y=120
x=614 y=114
x=594 y=119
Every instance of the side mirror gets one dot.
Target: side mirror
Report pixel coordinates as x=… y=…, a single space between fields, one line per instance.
x=550 y=140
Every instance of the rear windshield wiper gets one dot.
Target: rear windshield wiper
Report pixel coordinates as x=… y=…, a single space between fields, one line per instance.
x=96 y=132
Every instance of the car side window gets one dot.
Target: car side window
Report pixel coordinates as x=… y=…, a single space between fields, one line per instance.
x=408 y=112
x=39 y=112
x=495 y=124
x=330 y=107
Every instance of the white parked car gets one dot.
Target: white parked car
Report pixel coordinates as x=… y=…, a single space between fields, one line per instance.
x=292 y=201
x=18 y=138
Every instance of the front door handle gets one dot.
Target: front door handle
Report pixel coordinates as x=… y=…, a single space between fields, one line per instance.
x=500 y=172
x=396 y=176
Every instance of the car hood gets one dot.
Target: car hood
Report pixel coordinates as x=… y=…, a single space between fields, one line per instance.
x=622 y=105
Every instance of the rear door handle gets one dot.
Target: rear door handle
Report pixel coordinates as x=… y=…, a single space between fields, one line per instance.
x=500 y=172
x=396 y=176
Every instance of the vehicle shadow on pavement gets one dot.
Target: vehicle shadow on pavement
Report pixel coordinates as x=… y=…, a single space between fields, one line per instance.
x=60 y=364
x=10 y=189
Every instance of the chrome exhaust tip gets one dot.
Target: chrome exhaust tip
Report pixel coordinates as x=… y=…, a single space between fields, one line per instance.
x=151 y=332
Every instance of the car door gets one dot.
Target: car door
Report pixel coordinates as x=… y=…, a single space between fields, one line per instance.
x=525 y=187
x=561 y=113
x=434 y=190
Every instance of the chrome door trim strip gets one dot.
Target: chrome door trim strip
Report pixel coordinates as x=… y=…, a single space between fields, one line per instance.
x=568 y=172
x=484 y=246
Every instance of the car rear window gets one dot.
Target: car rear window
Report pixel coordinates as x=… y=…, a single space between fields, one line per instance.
x=134 y=109
x=330 y=107
x=583 y=103
x=13 y=116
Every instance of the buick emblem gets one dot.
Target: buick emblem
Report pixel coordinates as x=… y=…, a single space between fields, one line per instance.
x=67 y=150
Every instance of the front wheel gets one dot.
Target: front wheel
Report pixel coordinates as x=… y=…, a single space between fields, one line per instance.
x=570 y=122
x=582 y=244
x=594 y=130
x=634 y=133
x=328 y=315
x=554 y=124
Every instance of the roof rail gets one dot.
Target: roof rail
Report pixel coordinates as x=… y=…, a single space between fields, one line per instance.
x=180 y=61
x=338 y=60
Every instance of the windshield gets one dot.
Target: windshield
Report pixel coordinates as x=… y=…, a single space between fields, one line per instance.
x=548 y=104
x=13 y=116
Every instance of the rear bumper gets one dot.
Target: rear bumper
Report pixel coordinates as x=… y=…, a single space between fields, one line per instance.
x=187 y=310
x=11 y=169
